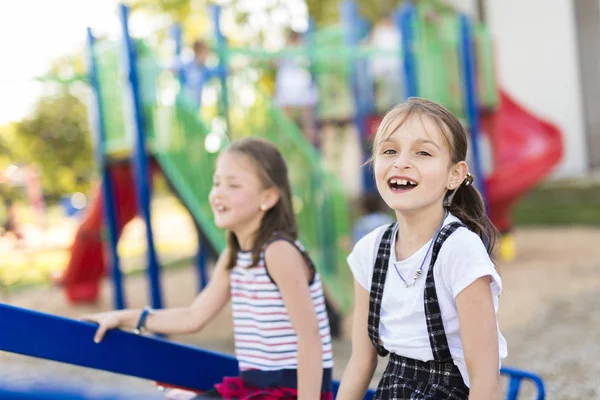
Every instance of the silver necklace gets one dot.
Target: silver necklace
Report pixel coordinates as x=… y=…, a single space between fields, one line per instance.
x=419 y=272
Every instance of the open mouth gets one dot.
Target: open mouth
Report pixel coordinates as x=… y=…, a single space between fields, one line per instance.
x=401 y=185
x=220 y=208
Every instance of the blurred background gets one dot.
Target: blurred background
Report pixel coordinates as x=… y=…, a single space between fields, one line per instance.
x=314 y=77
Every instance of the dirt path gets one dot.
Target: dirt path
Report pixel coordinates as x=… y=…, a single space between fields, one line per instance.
x=549 y=314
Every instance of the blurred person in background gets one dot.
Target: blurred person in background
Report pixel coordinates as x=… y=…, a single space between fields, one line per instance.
x=386 y=66
x=295 y=91
x=196 y=73
x=10 y=225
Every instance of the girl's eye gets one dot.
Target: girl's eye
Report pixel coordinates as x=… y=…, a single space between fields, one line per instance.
x=423 y=153
x=235 y=186
x=215 y=183
x=389 y=151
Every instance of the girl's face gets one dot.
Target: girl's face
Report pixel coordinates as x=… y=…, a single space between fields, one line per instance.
x=412 y=166
x=237 y=193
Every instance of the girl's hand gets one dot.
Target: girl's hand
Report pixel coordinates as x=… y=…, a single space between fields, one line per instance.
x=105 y=321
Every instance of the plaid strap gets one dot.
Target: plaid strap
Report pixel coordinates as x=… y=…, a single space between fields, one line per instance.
x=377 y=284
x=433 y=315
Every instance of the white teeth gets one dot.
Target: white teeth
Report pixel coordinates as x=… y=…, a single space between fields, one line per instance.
x=402 y=182
x=220 y=208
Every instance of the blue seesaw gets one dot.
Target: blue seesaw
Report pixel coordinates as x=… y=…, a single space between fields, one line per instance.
x=55 y=338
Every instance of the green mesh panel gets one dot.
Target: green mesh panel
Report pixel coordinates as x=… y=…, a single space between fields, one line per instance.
x=111 y=91
x=177 y=138
x=437 y=50
x=486 y=74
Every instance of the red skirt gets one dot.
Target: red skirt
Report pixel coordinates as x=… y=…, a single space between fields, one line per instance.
x=236 y=389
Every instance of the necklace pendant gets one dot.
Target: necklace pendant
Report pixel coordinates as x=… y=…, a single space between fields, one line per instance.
x=417 y=274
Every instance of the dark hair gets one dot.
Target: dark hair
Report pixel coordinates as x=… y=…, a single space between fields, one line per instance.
x=293 y=36
x=272 y=173
x=199 y=44
x=465 y=202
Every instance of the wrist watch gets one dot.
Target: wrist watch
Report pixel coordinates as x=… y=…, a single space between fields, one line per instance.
x=141 y=325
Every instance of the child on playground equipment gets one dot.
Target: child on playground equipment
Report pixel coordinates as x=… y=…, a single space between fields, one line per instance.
x=281 y=327
x=196 y=73
x=436 y=311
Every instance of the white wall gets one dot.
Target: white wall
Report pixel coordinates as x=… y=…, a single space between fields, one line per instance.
x=538 y=65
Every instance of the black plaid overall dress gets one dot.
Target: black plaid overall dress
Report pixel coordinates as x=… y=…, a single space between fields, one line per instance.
x=406 y=378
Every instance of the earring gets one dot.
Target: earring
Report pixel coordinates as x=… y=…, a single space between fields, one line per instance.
x=451 y=186
x=263 y=207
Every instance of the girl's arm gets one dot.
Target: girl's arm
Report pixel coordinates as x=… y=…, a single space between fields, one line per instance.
x=363 y=361
x=174 y=320
x=290 y=272
x=479 y=334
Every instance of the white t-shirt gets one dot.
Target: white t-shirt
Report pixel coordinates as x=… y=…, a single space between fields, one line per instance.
x=402 y=327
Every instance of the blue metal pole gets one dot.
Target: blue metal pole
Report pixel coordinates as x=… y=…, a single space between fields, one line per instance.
x=349 y=14
x=309 y=39
x=141 y=163
x=404 y=22
x=470 y=92
x=223 y=62
x=201 y=256
x=176 y=36
x=107 y=185
x=201 y=259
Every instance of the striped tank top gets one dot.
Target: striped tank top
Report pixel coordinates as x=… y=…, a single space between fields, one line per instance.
x=266 y=344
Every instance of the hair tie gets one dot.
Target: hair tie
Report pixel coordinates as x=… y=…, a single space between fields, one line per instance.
x=469 y=179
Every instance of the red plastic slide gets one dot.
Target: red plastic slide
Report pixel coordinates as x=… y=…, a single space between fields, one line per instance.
x=81 y=279
x=525 y=150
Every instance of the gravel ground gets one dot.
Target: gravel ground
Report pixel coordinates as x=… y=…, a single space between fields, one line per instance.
x=549 y=314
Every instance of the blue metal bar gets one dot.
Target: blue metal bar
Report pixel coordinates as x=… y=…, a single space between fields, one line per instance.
x=516 y=376
x=201 y=260
x=470 y=93
x=405 y=23
x=349 y=15
x=201 y=256
x=309 y=39
x=223 y=63
x=176 y=35
x=69 y=341
x=140 y=160
x=110 y=215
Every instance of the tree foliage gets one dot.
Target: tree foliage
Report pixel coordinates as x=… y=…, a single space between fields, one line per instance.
x=57 y=139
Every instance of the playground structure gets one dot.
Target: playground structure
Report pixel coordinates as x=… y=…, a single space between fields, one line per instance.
x=164 y=133
x=446 y=58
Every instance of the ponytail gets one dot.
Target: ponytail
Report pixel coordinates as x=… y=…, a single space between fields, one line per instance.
x=466 y=203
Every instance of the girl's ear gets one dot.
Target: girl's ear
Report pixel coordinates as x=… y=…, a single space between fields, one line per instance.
x=269 y=199
x=457 y=175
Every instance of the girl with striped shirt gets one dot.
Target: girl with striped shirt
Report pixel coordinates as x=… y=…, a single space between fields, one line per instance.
x=281 y=328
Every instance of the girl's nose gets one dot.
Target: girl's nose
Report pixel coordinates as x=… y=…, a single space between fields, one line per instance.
x=403 y=161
